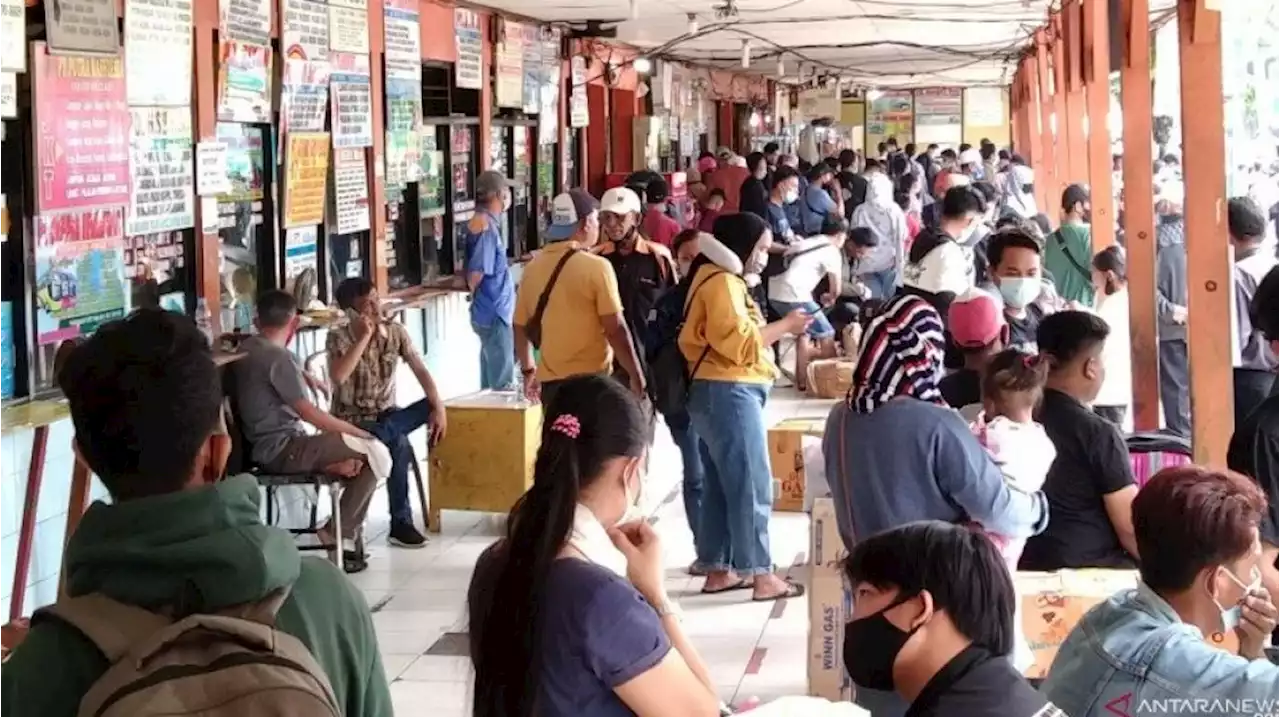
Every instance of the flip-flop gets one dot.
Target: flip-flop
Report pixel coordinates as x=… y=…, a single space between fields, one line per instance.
x=353 y=562
x=793 y=591
x=742 y=584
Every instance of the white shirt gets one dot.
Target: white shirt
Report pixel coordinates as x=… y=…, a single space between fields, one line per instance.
x=1117 y=385
x=797 y=283
x=948 y=267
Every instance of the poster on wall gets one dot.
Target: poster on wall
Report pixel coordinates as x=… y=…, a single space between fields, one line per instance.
x=352 y=100
x=469 y=42
x=81 y=131
x=403 y=53
x=299 y=250
x=13 y=36
x=404 y=104
x=431 y=177
x=157 y=52
x=8 y=95
x=534 y=69
x=889 y=115
x=401 y=157
x=304 y=95
x=508 y=66
x=938 y=116
x=350 y=191
x=161 y=152
x=82 y=26
x=244 y=83
x=247 y=21
x=211 y=169
x=305 y=29
x=79 y=272
x=306 y=168
x=161 y=258
x=549 y=100
x=579 y=111
x=245 y=162
x=348 y=29
x=985 y=107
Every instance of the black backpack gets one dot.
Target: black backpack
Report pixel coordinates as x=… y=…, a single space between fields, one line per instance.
x=670 y=375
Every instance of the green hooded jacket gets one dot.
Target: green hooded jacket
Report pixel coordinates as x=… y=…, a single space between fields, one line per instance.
x=203 y=550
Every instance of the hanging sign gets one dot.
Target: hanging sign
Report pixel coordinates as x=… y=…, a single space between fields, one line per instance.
x=247 y=21
x=430 y=176
x=304 y=95
x=352 y=104
x=305 y=29
x=163 y=196
x=8 y=95
x=401 y=157
x=211 y=169
x=244 y=87
x=13 y=36
x=938 y=106
x=984 y=107
x=531 y=83
x=82 y=131
x=79 y=272
x=889 y=115
x=81 y=26
x=549 y=90
x=306 y=163
x=157 y=52
x=403 y=53
x=299 y=250
x=508 y=66
x=348 y=29
x=579 y=111
x=404 y=104
x=469 y=68
x=350 y=191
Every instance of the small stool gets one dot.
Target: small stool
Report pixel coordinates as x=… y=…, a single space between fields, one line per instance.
x=274 y=481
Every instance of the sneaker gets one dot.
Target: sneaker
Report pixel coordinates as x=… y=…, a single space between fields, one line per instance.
x=404 y=535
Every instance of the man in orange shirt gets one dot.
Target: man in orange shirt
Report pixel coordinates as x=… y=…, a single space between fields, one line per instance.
x=731 y=172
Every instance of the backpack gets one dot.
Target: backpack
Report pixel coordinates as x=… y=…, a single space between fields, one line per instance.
x=670 y=373
x=233 y=662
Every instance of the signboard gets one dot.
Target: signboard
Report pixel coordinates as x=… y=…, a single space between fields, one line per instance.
x=244 y=87
x=579 y=111
x=82 y=26
x=81 y=131
x=247 y=21
x=350 y=191
x=352 y=101
x=403 y=53
x=430 y=176
x=246 y=162
x=305 y=29
x=404 y=104
x=299 y=250
x=985 y=107
x=468 y=38
x=534 y=69
x=79 y=272
x=304 y=95
x=13 y=36
x=8 y=95
x=306 y=163
x=211 y=169
x=508 y=66
x=157 y=52
x=163 y=196
x=818 y=102
x=348 y=29
x=938 y=116
x=889 y=115
x=549 y=92
x=401 y=157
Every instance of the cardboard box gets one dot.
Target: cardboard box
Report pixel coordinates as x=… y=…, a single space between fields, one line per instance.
x=1052 y=604
x=786 y=460
x=830 y=604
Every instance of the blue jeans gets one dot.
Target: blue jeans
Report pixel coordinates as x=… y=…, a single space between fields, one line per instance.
x=883 y=284
x=497 y=355
x=738 y=498
x=694 y=475
x=819 y=328
x=393 y=428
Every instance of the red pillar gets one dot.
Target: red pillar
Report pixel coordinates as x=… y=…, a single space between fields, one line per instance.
x=1097 y=89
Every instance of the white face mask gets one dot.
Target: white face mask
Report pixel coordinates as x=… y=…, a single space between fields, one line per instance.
x=792 y=196
x=1019 y=291
x=967 y=233
x=633 y=511
x=1231 y=615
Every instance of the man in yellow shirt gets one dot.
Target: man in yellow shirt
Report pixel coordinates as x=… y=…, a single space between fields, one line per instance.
x=568 y=307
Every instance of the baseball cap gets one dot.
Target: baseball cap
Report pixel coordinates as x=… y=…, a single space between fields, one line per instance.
x=975 y=319
x=620 y=200
x=491 y=182
x=971 y=156
x=657 y=191
x=567 y=210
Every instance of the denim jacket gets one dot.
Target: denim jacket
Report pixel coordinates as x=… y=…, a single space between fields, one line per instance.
x=1131 y=656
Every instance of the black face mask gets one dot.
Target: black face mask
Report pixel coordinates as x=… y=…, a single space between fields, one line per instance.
x=871 y=646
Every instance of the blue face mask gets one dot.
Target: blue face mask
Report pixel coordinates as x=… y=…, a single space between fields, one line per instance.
x=1231 y=615
x=1019 y=291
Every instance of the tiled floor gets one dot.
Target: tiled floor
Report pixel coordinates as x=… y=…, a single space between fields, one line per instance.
x=754 y=650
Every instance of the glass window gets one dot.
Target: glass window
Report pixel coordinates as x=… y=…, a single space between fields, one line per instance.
x=242 y=227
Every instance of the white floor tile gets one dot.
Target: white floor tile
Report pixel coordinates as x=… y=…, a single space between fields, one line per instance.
x=439 y=668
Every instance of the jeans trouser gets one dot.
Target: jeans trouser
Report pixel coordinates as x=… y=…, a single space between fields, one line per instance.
x=883 y=284
x=1175 y=387
x=393 y=428
x=738 y=497
x=497 y=355
x=686 y=439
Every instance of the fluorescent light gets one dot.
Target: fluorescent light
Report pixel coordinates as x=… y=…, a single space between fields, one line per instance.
x=873 y=95
x=642 y=65
x=782 y=67
x=746 y=54
x=693 y=24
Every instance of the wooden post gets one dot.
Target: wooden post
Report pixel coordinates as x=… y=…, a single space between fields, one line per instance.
x=1072 y=125
x=377 y=180
x=204 y=93
x=1097 y=77
x=1050 y=190
x=1139 y=213
x=1061 y=116
x=1209 y=278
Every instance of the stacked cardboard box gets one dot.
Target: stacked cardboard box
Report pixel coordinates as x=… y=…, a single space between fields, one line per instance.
x=829 y=606
x=786 y=460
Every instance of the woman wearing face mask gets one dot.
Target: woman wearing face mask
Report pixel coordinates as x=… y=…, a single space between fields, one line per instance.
x=932 y=621
x=754 y=195
x=1014 y=259
x=1111 y=287
x=882 y=267
x=569 y=615
x=1170 y=639
x=726 y=344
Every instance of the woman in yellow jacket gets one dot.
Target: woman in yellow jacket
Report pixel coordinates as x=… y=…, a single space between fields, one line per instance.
x=726 y=343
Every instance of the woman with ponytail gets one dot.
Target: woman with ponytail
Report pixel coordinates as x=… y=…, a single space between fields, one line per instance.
x=569 y=614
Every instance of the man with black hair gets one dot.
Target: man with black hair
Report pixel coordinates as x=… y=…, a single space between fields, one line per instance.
x=816 y=202
x=1069 y=251
x=1090 y=483
x=940 y=264
x=1013 y=259
x=271 y=404
x=882 y=152
x=933 y=621
x=852 y=184
x=771 y=154
x=1254 y=361
x=177 y=535
x=364 y=357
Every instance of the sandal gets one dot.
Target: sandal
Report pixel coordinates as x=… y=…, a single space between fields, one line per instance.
x=741 y=584
x=353 y=562
x=793 y=591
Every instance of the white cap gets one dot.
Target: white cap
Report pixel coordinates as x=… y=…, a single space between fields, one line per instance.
x=620 y=200
x=970 y=156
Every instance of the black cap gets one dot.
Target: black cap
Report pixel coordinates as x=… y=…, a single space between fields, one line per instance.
x=657 y=191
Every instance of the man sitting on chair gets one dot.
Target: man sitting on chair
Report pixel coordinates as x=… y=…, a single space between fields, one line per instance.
x=363 y=357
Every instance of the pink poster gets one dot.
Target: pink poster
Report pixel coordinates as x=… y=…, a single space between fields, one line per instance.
x=82 y=131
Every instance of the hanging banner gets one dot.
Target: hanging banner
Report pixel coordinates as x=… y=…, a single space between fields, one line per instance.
x=81 y=131
x=403 y=53
x=350 y=191
x=244 y=87
x=161 y=151
x=468 y=38
x=247 y=21
x=8 y=95
x=508 y=66
x=211 y=169
x=534 y=69
x=13 y=36
x=157 y=52
x=889 y=115
x=82 y=26
x=352 y=104
x=79 y=272
x=306 y=163
x=305 y=30
x=579 y=111
x=304 y=95
x=348 y=29
x=299 y=250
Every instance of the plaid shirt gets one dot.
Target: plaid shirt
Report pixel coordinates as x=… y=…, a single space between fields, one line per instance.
x=370 y=389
